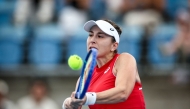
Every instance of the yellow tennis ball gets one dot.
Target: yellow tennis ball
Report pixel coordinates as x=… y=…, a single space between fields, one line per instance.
x=75 y=62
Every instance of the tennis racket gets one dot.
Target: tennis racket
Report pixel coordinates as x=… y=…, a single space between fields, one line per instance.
x=86 y=73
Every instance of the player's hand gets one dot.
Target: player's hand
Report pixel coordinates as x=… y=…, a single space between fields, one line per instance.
x=73 y=103
x=66 y=103
x=76 y=103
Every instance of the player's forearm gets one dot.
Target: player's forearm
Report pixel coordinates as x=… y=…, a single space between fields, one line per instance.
x=113 y=95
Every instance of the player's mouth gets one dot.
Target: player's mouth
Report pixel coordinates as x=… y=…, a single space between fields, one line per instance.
x=92 y=47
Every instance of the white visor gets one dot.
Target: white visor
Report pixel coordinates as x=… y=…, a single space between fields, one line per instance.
x=104 y=26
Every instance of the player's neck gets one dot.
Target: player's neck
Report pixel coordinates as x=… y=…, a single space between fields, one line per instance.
x=103 y=60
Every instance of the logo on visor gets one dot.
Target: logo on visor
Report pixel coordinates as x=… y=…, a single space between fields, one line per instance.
x=111 y=29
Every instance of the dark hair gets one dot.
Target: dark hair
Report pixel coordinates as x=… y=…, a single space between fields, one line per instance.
x=119 y=30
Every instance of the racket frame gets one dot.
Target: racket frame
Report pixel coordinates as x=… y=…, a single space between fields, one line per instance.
x=81 y=92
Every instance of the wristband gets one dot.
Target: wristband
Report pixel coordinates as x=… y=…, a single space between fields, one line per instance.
x=90 y=98
x=63 y=106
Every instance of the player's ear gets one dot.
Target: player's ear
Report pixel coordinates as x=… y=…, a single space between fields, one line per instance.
x=114 y=46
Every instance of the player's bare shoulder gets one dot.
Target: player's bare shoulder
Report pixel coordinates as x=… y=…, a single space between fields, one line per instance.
x=124 y=62
x=126 y=57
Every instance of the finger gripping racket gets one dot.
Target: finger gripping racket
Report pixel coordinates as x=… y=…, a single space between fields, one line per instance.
x=86 y=73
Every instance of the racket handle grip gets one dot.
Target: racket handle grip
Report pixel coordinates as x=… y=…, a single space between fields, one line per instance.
x=77 y=95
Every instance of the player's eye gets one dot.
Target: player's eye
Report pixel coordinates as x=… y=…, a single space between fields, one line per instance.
x=90 y=35
x=100 y=36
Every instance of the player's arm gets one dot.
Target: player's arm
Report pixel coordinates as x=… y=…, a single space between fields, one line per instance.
x=71 y=102
x=125 y=68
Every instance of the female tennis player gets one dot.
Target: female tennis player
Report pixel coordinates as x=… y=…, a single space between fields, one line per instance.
x=115 y=82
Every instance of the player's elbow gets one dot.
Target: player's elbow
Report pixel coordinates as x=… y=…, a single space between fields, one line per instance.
x=123 y=95
x=122 y=98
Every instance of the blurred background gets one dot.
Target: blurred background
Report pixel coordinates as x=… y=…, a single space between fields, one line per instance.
x=38 y=36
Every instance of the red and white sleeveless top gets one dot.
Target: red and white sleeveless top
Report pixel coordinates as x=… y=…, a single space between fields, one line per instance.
x=104 y=79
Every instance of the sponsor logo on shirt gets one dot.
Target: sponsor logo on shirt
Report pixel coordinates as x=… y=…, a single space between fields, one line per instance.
x=107 y=70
